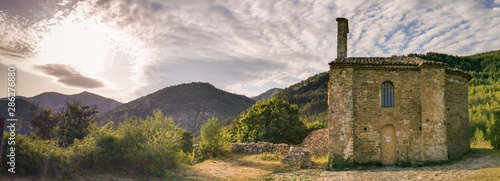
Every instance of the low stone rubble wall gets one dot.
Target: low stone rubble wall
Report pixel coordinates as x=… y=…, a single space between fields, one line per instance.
x=260 y=147
x=298 y=156
x=317 y=142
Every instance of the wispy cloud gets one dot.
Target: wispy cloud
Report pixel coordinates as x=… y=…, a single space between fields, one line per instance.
x=248 y=47
x=69 y=76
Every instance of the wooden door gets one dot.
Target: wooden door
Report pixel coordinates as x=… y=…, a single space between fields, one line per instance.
x=388 y=144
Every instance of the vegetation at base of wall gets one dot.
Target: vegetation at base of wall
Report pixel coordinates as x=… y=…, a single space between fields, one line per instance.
x=437 y=163
x=338 y=162
x=319 y=161
x=150 y=146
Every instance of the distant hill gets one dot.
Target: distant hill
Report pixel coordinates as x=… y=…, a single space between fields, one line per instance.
x=311 y=96
x=22 y=110
x=267 y=94
x=54 y=101
x=190 y=105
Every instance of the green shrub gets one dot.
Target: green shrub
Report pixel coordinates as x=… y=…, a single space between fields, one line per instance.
x=478 y=140
x=35 y=156
x=495 y=131
x=271 y=120
x=338 y=162
x=149 y=146
x=215 y=140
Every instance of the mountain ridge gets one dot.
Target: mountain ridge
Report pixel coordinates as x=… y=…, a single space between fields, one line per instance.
x=266 y=95
x=190 y=105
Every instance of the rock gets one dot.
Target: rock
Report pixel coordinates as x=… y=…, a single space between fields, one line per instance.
x=298 y=156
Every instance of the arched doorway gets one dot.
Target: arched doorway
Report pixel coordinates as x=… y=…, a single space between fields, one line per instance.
x=388 y=144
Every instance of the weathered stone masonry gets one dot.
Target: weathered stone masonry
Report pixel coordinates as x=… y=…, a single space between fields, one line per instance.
x=430 y=113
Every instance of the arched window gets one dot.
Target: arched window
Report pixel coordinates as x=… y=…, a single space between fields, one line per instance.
x=387 y=92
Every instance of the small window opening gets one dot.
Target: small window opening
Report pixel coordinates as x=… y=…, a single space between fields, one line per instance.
x=387 y=94
x=365 y=129
x=420 y=128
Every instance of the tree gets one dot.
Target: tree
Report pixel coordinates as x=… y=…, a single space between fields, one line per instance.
x=495 y=131
x=187 y=142
x=75 y=122
x=272 y=120
x=214 y=139
x=44 y=124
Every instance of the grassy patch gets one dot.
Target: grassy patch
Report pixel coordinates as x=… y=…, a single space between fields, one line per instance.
x=319 y=161
x=487 y=174
x=270 y=157
x=482 y=144
x=234 y=167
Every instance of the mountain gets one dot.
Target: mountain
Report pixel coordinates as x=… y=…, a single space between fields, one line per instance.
x=21 y=112
x=190 y=105
x=267 y=94
x=311 y=96
x=54 y=101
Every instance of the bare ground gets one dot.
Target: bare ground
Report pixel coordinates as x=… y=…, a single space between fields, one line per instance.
x=482 y=164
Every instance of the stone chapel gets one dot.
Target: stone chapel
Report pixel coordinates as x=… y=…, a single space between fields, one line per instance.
x=395 y=109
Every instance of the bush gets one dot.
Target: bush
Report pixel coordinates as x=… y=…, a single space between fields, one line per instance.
x=495 y=131
x=214 y=140
x=271 y=120
x=478 y=139
x=149 y=146
x=35 y=157
x=338 y=162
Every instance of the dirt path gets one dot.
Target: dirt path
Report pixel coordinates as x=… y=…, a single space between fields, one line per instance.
x=483 y=165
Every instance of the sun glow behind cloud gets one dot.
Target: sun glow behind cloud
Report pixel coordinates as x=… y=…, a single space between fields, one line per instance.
x=81 y=45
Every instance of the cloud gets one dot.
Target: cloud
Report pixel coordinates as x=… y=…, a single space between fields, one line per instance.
x=248 y=47
x=69 y=76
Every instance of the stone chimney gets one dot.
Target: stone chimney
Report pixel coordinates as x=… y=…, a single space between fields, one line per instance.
x=343 y=29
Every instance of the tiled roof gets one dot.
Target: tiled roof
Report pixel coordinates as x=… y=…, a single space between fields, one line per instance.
x=395 y=61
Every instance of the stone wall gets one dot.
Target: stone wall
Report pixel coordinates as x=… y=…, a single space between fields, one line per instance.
x=433 y=114
x=340 y=112
x=317 y=142
x=370 y=117
x=457 y=116
x=260 y=147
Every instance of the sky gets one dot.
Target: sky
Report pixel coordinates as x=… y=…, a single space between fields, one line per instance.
x=127 y=49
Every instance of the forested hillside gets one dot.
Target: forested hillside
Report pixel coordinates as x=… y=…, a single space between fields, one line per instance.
x=311 y=96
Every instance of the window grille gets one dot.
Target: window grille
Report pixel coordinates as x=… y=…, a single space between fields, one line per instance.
x=387 y=91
